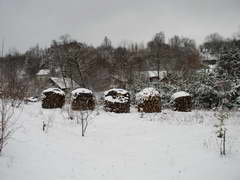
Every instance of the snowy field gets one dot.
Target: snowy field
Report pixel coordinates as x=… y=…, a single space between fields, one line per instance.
x=159 y=146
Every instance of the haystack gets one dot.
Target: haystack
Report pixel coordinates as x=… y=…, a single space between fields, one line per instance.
x=82 y=99
x=148 y=100
x=182 y=101
x=117 y=100
x=53 y=98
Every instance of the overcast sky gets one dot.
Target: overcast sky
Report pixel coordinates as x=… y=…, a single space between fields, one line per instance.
x=24 y=23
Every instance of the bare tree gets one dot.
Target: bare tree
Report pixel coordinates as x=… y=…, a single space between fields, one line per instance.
x=12 y=93
x=82 y=117
x=221 y=130
x=157 y=51
x=6 y=122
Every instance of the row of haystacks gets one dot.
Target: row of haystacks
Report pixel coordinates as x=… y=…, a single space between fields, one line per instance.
x=82 y=99
x=117 y=100
x=148 y=100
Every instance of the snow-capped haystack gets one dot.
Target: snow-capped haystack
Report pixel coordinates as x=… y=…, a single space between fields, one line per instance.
x=82 y=99
x=148 y=100
x=53 y=98
x=182 y=101
x=117 y=100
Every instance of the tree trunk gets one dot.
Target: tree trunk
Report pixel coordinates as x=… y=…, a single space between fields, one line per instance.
x=224 y=140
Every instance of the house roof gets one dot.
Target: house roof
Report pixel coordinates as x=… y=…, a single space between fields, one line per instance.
x=43 y=72
x=208 y=57
x=60 y=83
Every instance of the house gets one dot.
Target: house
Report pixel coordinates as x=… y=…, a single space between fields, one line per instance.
x=41 y=82
x=43 y=74
x=209 y=63
x=44 y=80
x=154 y=76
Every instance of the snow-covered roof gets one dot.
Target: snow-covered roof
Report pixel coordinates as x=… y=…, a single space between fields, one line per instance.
x=60 y=83
x=180 y=94
x=54 y=90
x=146 y=93
x=162 y=74
x=43 y=72
x=151 y=74
x=208 y=56
x=118 y=90
x=212 y=67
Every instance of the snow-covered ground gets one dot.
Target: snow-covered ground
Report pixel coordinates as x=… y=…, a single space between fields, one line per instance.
x=168 y=145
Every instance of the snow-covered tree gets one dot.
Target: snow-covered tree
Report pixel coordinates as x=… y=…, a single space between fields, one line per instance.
x=166 y=91
x=228 y=66
x=203 y=89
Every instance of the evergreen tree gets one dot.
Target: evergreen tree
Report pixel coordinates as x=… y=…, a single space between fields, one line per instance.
x=228 y=66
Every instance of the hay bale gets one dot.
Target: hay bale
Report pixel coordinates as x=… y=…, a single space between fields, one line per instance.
x=117 y=100
x=148 y=100
x=53 y=98
x=181 y=101
x=82 y=99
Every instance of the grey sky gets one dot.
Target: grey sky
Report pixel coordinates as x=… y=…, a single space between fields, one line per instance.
x=24 y=23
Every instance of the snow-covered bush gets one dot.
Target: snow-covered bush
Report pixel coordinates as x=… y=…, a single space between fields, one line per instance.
x=206 y=97
x=203 y=89
x=228 y=66
x=167 y=90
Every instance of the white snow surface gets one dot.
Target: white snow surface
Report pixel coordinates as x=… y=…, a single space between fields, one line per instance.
x=169 y=145
x=81 y=91
x=32 y=99
x=118 y=90
x=43 y=72
x=146 y=93
x=179 y=94
x=78 y=91
x=54 y=90
x=119 y=99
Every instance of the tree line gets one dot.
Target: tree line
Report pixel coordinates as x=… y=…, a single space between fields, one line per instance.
x=98 y=67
